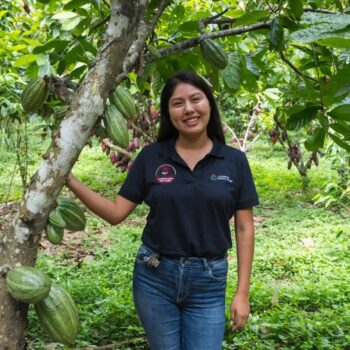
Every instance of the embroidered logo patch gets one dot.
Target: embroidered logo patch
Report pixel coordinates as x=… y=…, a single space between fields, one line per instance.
x=165 y=174
x=215 y=177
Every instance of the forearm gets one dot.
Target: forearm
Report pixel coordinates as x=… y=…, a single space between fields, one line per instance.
x=101 y=206
x=245 y=253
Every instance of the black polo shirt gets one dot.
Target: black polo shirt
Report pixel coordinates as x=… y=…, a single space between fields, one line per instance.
x=190 y=210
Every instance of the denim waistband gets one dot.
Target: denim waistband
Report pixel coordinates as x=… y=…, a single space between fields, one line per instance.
x=192 y=259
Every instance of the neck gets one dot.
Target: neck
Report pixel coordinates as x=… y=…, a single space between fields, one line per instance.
x=193 y=142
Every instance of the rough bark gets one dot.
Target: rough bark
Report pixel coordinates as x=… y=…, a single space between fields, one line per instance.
x=20 y=241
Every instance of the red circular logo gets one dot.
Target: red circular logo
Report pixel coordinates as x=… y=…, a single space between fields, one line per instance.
x=165 y=174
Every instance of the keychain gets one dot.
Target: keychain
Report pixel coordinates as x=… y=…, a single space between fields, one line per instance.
x=153 y=260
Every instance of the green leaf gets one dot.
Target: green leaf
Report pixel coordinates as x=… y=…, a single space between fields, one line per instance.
x=54 y=45
x=64 y=15
x=316 y=141
x=231 y=74
x=342 y=129
x=341 y=112
x=296 y=7
x=25 y=60
x=320 y=32
x=189 y=27
x=342 y=41
x=299 y=119
x=75 y=4
x=251 y=18
x=70 y=23
x=276 y=34
x=317 y=17
x=340 y=142
x=76 y=73
x=337 y=86
x=251 y=66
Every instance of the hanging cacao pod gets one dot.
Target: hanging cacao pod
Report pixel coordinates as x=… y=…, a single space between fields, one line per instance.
x=116 y=126
x=34 y=95
x=122 y=99
x=213 y=54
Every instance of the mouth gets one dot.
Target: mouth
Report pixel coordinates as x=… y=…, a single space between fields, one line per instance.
x=191 y=121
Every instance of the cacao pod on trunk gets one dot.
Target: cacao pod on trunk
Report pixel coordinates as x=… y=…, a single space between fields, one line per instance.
x=213 y=54
x=116 y=126
x=34 y=95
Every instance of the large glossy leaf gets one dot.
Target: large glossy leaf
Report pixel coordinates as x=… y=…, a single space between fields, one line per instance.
x=331 y=18
x=276 y=34
x=341 y=112
x=341 y=128
x=304 y=116
x=316 y=141
x=231 y=74
x=320 y=32
x=340 y=142
x=251 y=66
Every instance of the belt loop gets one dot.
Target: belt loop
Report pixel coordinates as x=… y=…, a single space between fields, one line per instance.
x=206 y=264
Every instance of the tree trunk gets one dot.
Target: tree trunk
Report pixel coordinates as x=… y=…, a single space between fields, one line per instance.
x=20 y=241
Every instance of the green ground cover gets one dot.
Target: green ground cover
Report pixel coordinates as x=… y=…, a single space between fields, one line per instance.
x=300 y=294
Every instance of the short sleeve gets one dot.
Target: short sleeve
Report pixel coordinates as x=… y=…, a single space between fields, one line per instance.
x=248 y=196
x=133 y=187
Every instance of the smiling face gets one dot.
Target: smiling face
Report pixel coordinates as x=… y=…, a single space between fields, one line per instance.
x=189 y=110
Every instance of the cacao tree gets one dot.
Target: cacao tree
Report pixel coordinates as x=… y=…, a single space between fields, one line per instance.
x=84 y=50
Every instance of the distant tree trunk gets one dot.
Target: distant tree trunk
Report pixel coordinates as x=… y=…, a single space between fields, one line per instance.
x=20 y=241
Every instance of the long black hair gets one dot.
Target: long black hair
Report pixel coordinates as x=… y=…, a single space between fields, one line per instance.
x=166 y=128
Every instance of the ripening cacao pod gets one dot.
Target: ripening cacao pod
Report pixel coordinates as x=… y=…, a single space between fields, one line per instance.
x=28 y=285
x=116 y=126
x=72 y=214
x=54 y=234
x=55 y=219
x=213 y=54
x=58 y=316
x=34 y=95
x=122 y=99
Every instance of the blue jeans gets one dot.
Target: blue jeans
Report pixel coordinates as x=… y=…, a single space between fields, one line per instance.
x=181 y=302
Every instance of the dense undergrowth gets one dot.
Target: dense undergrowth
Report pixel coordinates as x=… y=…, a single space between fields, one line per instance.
x=300 y=292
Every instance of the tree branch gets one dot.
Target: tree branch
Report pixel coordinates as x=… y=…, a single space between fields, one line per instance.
x=203 y=22
x=295 y=69
x=319 y=11
x=118 y=149
x=163 y=5
x=195 y=41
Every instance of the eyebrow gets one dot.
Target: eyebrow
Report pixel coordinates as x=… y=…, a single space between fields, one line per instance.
x=180 y=98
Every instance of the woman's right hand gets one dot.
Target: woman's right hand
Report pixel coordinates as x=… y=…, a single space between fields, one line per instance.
x=112 y=211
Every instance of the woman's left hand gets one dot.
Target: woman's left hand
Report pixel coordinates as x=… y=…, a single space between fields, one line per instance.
x=239 y=311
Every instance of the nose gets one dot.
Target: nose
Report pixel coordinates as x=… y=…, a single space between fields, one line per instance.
x=188 y=107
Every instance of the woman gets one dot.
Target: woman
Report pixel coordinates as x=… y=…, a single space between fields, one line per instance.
x=193 y=183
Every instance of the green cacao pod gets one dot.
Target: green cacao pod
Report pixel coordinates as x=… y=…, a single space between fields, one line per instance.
x=34 y=95
x=116 y=126
x=28 y=285
x=213 y=54
x=58 y=315
x=123 y=100
x=56 y=219
x=72 y=214
x=54 y=234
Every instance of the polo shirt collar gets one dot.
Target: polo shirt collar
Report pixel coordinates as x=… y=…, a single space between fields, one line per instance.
x=169 y=150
